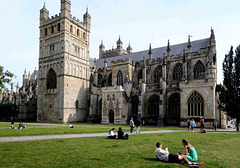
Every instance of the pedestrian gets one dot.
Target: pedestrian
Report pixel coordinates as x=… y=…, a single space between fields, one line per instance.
x=138 y=123
x=215 y=125
x=193 y=124
x=188 y=123
x=202 y=124
x=131 y=125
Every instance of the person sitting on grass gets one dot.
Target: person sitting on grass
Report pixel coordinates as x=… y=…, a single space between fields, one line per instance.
x=121 y=134
x=163 y=155
x=11 y=126
x=189 y=152
x=111 y=134
x=21 y=126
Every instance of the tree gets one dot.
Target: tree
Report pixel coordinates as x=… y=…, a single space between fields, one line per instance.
x=229 y=94
x=5 y=78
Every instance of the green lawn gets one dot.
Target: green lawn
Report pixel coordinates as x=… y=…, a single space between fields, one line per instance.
x=215 y=149
x=58 y=129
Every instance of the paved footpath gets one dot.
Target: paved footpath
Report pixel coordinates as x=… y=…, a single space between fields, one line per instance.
x=66 y=136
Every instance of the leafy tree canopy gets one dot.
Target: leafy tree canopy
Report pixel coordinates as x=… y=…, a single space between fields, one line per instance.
x=229 y=94
x=5 y=78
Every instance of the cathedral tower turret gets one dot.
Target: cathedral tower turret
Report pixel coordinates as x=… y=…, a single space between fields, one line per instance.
x=168 y=51
x=65 y=8
x=129 y=49
x=101 y=49
x=87 y=20
x=150 y=54
x=44 y=14
x=119 y=45
x=189 y=47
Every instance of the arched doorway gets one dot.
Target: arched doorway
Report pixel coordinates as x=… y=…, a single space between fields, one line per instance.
x=111 y=116
x=173 y=112
x=135 y=105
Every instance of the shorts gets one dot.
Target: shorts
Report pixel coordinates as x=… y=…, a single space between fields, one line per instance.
x=173 y=158
x=188 y=124
x=202 y=126
x=191 y=159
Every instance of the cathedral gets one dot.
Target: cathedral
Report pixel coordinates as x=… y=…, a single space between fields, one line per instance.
x=162 y=86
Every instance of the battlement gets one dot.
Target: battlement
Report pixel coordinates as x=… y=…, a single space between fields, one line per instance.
x=123 y=61
x=57 y=17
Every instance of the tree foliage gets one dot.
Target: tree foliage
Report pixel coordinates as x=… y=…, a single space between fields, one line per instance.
x=229 y=95
x=5 y=78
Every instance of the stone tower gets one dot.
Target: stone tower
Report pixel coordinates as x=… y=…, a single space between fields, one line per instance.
x=63 y=66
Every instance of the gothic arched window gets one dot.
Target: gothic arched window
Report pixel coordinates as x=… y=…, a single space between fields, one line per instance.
x=119 y=78
x=177 y=72
x=174 y=105
x=52 y=29
x=153 y=105
x=195 y=105
x=84 y=35
x=76 y=104
x=139 y=76
x=199 y=70
x=100 y=80
x=157 y=74
x=71 y=28
x=110 y=79
x=51 y=79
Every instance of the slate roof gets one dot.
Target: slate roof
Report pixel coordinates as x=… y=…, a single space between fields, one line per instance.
x=156 y=52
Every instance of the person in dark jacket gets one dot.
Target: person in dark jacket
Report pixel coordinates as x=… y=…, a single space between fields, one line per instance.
x=138 y=123
x=121 y=134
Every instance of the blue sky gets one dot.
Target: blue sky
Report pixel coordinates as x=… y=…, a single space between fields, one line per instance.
x=139 y=22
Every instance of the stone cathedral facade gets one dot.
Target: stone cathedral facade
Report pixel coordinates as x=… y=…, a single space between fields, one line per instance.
x=163 y=86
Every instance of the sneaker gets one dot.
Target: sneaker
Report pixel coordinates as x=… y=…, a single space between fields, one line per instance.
x=201 y=164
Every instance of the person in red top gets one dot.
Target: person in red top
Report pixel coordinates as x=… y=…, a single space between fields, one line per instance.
x=202 y=124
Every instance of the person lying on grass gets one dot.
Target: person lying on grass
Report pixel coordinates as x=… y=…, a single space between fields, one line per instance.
x=111 y=134
x=163 y=155
x=189 y=152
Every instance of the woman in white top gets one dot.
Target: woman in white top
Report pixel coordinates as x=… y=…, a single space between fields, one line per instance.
x=111 y=134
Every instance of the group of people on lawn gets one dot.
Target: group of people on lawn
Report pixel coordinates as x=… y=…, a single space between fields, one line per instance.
x=20 y=126
x=189 y=155
x=121 y=135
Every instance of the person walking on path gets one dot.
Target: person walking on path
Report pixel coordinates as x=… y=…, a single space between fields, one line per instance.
x=131 y=125
x=202 y=124
x=138 y=123
x=215 y=125
x=193 y=124
x=188 y=123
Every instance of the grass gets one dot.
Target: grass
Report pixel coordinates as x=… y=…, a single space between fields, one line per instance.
x=58 y=129
x=215 y=149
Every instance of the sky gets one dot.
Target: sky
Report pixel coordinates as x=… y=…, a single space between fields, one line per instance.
x=139 y=22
